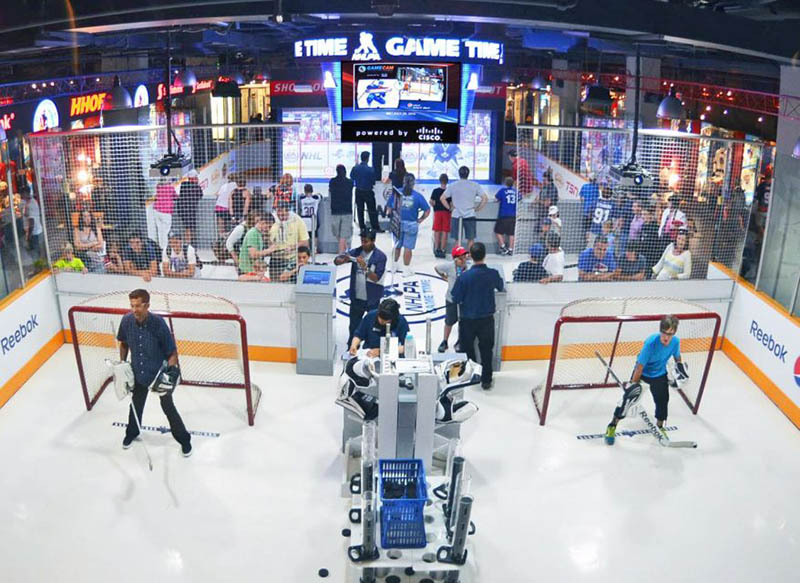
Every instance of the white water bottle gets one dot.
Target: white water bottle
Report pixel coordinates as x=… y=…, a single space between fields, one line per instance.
x=411 y=346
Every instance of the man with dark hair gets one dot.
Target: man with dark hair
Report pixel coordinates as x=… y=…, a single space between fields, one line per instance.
x=373 y=326
x=632 y=265
x=474 y=291
x=340 y=189
x=148 y=339
x=596 y=263
x=532 y=271
x=368 y=264
x=651 y=367
x=521 y=173
x=463 y=193
x=141 y=257
x=363 y=175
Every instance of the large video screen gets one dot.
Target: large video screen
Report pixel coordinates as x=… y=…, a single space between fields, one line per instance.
x=401 y=102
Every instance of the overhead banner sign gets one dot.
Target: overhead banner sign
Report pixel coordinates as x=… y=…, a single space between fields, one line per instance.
x=86 y=104
x=371 y=47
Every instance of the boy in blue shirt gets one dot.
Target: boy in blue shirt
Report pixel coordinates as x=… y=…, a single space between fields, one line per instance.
x=506 y=217
x=411 y=203
x=596 y=263
x=651 y=367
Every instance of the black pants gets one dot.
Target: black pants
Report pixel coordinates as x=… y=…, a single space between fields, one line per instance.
x=366 y=197
x=483 y=330
x=357 y=310
x=659 y=388
x=175 y=422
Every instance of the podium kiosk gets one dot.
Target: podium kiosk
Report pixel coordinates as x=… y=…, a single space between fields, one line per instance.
x=314 y=305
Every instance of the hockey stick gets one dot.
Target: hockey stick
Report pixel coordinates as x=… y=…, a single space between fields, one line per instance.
x=662 y=439
x=133 y=409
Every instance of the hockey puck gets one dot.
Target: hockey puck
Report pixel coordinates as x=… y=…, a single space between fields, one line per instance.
x=345 y=532
x=409 y=571
x=392 y=579
x=323 y=573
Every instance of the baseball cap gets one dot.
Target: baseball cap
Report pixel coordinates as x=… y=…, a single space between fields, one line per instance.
x=553 y=210
x=537 y=251
x=192 y=173
x=458 y=251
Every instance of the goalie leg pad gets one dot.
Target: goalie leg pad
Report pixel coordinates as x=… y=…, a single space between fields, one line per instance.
x=123 y=377
x=449 y=412
x=360 y=370
x=631 y=394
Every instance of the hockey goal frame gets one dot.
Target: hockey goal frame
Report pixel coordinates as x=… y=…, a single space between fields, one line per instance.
x=608 y=382
x=251 y=400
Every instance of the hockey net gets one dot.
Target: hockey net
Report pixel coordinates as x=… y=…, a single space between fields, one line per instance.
x=616 y=328
x=209 y=331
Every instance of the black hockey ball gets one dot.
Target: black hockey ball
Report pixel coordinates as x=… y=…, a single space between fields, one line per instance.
x=345 y=532
x=323 y=573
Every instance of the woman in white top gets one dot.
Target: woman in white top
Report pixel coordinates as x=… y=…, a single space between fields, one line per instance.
x=676 y=261
x=222 y=206
x=88 y=242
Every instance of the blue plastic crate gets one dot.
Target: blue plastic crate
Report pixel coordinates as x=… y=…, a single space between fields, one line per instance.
x=402 y=519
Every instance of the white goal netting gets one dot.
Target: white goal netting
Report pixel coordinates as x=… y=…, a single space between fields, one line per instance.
x=616 y=328
x=209 y=331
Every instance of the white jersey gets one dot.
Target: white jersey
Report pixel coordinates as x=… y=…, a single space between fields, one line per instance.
x=179 y=262
x=308 y=206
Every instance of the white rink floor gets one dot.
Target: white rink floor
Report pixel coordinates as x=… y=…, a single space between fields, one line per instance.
x=261 y=503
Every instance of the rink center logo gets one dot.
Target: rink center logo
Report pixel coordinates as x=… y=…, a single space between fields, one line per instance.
x=9 y=341
x=797 y=371
x=420 y=296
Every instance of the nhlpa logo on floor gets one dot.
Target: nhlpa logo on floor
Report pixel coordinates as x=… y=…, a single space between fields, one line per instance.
x=7 y=343
x=797 y=371
x=420 y=295
x=623 y=433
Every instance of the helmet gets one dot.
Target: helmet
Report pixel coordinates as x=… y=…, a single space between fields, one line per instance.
x=458 y=251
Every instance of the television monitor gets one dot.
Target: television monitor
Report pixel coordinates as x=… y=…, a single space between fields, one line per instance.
x=401 y=102
x=315 y=277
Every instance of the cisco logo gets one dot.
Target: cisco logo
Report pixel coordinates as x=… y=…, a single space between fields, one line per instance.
x=7 y=343
x=769 y=342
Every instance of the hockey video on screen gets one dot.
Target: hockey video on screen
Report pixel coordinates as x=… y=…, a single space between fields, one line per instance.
x=406 y=102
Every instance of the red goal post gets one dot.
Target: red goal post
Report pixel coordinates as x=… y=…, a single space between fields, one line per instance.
x=616 y=328
x=209 y=331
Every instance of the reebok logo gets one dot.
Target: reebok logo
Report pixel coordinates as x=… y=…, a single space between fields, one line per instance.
x=7 y=343
x=778 y=350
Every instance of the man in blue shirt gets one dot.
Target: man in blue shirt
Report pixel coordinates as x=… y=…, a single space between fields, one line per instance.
x=368 y=263
x=651 y=367
x=596 y=263
x=150 y=343
x=363 y=175
x=411 y=203
x=474 y=291
x=589 y=194
x=373 y=327
x=506 y=217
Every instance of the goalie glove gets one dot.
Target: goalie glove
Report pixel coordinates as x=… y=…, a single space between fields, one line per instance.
x=681 y=372
x=456 y=373
x=167 y=378
x=123 y=377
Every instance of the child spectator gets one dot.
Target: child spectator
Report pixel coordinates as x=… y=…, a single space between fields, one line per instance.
x=441 y=219
x=289 y=274
x=233 y=243
x=178 y=259
x=69 y=262
x=308 y=205
x=632 y=265
x=555 y=219
x=252 y=252
x=506 y=217
x=676 y=261
x=608 y=232
x=554 y=260
x=531 y=271
x=596 y=263
x=450 y=273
